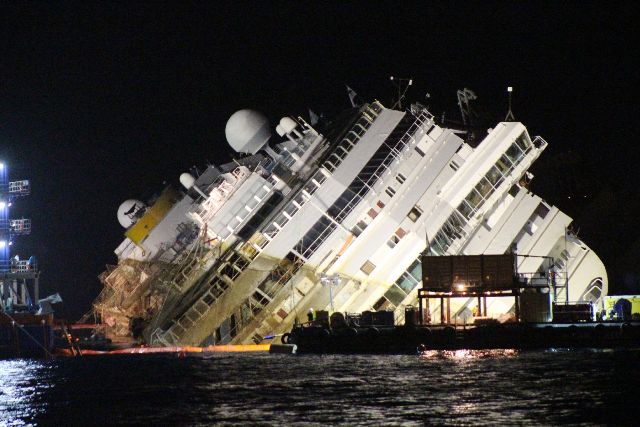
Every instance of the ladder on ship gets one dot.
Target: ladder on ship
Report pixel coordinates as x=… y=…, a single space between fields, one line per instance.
x=73 y=346
x=559 y=282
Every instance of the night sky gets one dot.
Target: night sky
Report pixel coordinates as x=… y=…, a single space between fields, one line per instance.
x=106 y=102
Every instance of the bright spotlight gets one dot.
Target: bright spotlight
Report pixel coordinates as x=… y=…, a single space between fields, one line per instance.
x=461 y=287
x=3 y=243
x=1 y=165
x=3 y=205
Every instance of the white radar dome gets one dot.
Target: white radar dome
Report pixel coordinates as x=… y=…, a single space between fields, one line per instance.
x=288 y=124
x=126 y=211
x=187 y=180
x=247 y=131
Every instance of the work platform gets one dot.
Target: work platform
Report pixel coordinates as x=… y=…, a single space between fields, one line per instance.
x=482 y=277
x=416 y=339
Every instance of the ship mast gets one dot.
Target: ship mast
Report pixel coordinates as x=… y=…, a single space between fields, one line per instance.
x=510 y=117
x=402 y=84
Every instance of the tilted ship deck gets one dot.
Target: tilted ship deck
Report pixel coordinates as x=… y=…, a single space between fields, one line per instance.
x=333 y=218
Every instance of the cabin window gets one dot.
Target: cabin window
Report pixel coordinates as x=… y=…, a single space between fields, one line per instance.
x=320 y=177
x=311 y=187
x=393 y=241
x=594 y=291
x=465 y=209
x=523 y=143
x=401 y=178
x=395 y=295
x=390 y=191
x=281 y=220
x=484 y=188
x=474 y=199
x=414 y=213
x=514 y=154
x=291 y=209
x=381 y=304
x=494 y=176
x=367 y=267
x=359 y=228
x=542 y=210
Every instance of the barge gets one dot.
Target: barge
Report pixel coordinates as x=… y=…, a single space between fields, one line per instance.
x=411 y=339
x=538 y=319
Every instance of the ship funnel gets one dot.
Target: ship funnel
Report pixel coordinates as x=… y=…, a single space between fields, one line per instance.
x=247 y=131
x=189 y=182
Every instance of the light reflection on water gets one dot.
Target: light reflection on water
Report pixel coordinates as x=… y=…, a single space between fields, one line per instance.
x=488 y=387
x=468 y=354
x=19 y=391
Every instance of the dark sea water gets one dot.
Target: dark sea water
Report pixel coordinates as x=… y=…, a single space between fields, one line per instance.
x=498 y=387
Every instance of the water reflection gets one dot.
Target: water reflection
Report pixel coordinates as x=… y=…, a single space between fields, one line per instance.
x=490 y=387
x=19 y=389
x=468 y=354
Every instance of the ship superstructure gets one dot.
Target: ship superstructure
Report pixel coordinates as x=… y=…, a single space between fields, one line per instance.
x=333 y=219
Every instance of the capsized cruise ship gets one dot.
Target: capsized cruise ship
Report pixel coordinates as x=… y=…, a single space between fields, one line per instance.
x=333 y=218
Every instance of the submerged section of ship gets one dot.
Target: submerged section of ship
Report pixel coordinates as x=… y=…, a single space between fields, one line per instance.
x=335 y=219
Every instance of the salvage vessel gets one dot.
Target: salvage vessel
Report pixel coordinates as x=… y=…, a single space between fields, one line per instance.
x=26 y=321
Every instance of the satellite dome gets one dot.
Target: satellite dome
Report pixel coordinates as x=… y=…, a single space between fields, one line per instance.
x=247 y=131
x=126 y=210
x=288 y=124
x=187 y=180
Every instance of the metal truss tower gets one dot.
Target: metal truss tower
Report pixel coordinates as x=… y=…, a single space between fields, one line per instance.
x=19 y=289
